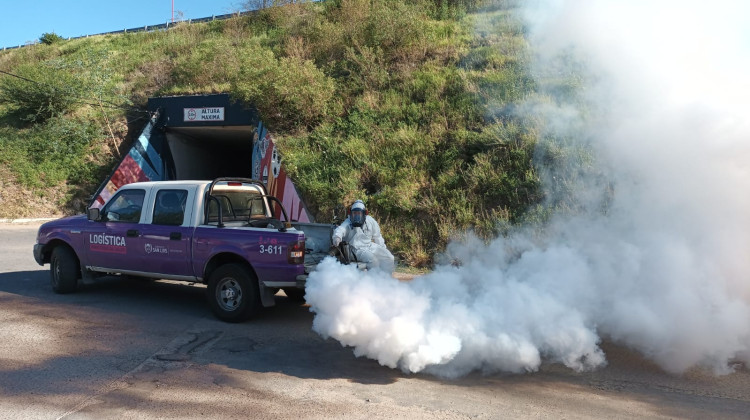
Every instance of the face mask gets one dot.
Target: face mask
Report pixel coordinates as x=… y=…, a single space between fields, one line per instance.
x=358 y=218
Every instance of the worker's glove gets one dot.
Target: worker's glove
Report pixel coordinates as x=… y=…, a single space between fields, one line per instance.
x=336 y=241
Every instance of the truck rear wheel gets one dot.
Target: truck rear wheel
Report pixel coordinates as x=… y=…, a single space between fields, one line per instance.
x=64 y=270
x=233 y=293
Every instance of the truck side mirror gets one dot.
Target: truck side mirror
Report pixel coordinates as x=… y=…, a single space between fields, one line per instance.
x=93 y=213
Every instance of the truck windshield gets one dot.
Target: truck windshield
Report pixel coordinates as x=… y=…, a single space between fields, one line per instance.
x=237 y=204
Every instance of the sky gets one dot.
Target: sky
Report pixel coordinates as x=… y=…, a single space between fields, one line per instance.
x=22 y=22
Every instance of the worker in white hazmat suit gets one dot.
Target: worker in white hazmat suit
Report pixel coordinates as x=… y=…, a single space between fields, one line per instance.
x=362 y=233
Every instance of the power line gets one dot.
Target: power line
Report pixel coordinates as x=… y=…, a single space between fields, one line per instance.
x=20 y=77
x=110 y=104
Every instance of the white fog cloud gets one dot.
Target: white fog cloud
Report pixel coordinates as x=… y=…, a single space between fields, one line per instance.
x=666 y=271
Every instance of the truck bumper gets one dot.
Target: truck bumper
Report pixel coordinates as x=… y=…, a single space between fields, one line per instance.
x=38 y=253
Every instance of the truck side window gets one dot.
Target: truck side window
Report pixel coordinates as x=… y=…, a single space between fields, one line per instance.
x=169 y=207
x=236 y=205
x=255 y=207
x=125 y=207
x=227 y=211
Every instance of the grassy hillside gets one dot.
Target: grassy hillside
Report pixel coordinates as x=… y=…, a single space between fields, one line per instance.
x=405 y=104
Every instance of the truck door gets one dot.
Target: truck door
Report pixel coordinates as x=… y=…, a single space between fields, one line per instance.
x=113 y=243
x=166 y=243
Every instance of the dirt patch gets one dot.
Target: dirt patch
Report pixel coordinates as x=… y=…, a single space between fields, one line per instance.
x=17 y=201
x=404 y=276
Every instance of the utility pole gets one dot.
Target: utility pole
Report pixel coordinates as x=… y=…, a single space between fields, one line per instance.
x=172 y=11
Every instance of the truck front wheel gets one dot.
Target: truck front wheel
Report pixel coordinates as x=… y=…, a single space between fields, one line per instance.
x=64 y=270
x=233 y=293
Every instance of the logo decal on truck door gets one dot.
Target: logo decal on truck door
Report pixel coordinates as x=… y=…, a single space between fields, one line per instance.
x=158 y=249
x=107 y=243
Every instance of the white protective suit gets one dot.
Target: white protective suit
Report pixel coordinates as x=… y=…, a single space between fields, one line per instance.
x=366 y=243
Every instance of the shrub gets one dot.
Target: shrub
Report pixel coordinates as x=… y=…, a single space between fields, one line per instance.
x=41 y=91
x=288 y=92
x=51 y=153
x=49 y=38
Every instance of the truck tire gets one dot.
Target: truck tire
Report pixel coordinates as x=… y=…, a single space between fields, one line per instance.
x=233 y=293
x=64 y=270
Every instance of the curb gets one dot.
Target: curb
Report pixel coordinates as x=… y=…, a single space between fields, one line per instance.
x=17 y=221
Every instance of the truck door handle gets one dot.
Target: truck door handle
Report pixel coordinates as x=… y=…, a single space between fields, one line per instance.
x=175 y=236
x=132 y=233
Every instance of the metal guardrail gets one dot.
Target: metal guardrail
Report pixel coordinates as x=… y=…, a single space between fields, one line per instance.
x=151 y=28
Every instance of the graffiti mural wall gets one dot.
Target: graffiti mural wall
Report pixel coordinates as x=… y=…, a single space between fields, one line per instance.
x=142 y=163
x=267 y=168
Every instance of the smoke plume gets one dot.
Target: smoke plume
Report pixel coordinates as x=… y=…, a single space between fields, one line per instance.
x=657 y=255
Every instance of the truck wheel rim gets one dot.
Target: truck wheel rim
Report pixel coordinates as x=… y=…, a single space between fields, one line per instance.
x=229 y=294
x=56 y=272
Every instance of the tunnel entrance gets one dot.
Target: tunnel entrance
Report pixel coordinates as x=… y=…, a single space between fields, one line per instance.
x=204 y=137
x=210 y=152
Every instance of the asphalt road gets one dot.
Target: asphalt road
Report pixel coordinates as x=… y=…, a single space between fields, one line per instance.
x=133 y=349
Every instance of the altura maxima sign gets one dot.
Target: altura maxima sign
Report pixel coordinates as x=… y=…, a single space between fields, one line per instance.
x=203 y=114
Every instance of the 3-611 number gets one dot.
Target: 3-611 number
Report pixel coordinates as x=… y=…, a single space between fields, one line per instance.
x=271 y=249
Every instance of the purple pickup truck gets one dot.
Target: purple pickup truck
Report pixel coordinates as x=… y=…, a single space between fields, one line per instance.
x=222 y=233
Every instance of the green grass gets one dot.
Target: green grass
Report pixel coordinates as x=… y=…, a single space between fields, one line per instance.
x=405 y=104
